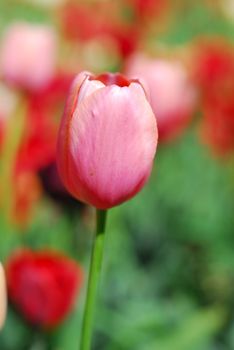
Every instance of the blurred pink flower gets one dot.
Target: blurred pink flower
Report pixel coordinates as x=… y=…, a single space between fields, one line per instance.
x=172 y=95
x=107 y=139
x=3 y=302
x=28 y=55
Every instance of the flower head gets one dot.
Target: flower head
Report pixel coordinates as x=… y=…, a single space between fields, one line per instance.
x=28 y=55
x=107 y=139
x=38 y=145
x=43 y=285
x=214 y=72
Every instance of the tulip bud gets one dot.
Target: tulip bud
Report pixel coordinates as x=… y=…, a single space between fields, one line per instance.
x=107 y=139
x=3 y=299
x=28 y=55
x=172 y=95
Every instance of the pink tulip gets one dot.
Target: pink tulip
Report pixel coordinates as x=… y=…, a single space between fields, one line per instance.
x=107 y=139
x=28 y=54
x=172 y=95
x=3 y=298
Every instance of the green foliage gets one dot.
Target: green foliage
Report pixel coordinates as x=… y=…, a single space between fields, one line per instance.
x=195 y=19
x=17 y=9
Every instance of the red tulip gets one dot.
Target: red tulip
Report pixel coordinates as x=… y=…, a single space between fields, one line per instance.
x=107 y=139
x=38 y=146
x=214 y=72
x=127 y=37
x=217 y=127
x=43 y=285
x=172 y=94
x=84 y=22
x=214 y=67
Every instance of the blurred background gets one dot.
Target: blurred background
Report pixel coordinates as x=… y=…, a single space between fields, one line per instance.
x=168 y=272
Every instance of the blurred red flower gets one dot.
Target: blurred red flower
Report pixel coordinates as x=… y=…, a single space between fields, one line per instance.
x=214 y=67
x=147 y=8
x=81 y=22
x=85 y=22
x=217 y=127
x=43 y=285
x=127 y=37
x=38 y=145
x=214 y=73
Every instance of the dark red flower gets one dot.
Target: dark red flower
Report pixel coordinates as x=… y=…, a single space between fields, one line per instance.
x=38 y=145
x=126 y=36
x=214 y=67
x=43 y=285
x=217 y=126
x=214 y=74
x=82 y=22
x=85 y=22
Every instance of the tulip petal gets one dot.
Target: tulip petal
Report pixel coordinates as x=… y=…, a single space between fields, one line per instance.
x=88 y=87
x=113 y=138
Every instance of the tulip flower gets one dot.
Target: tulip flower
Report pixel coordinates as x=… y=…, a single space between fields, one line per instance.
x=43 y=285
x=37 y=148
x=79 y=22
x=28 y=55
x=213 y=65
x=213 y=73
x=3 y=298
x=172 y=95
x=217 y=125
x=107 y=139
x=106 y=146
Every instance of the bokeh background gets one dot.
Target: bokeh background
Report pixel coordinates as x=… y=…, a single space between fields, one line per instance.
x=168 y=272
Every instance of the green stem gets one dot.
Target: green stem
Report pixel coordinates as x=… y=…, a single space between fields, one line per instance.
x=13 y=138
x=94 y=274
